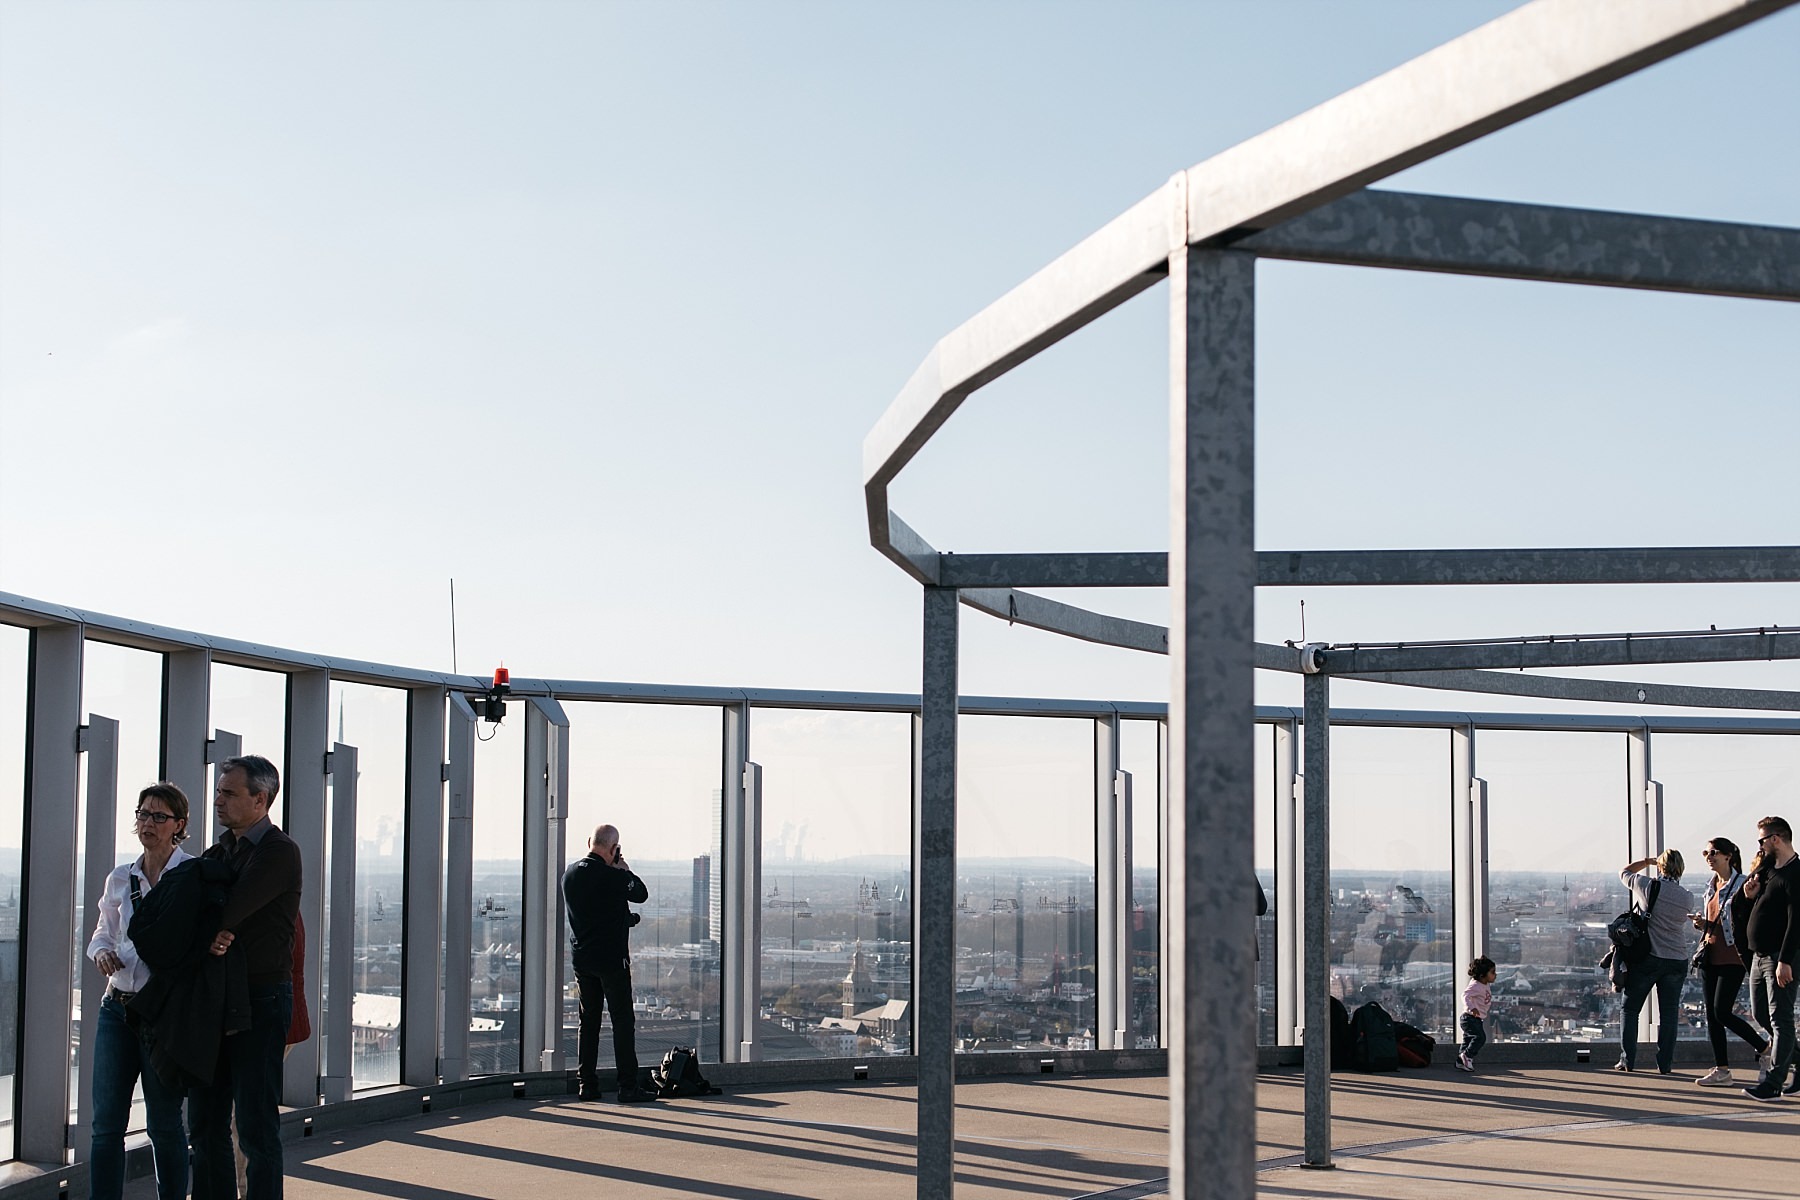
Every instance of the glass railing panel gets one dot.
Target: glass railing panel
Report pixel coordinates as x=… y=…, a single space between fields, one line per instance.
x=1392 y=924
x=373 y=719
x=653 y=770
x=1557 y=837
x=15 y=654
x=836 y=875
x=497 y=896
x=1719 y=786
x=126 y=685
x=1025 y=884
x=1140 y=753
x=253 y=705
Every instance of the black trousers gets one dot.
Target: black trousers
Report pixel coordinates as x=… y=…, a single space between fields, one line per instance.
x=602 y=990
x=1720 y=986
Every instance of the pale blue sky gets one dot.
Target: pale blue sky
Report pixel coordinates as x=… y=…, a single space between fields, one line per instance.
x=305 y=308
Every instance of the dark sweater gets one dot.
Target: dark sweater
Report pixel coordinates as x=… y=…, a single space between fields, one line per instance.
x=1774 y=925
x=264 y=902
x=599 y=921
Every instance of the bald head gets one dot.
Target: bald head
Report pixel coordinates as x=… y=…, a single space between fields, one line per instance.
x=605 y=841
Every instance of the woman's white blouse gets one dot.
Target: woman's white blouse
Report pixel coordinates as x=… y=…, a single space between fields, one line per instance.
x=115 y=919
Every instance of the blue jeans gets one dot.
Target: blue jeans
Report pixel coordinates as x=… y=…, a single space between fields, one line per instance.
x=1474 y=1031
x=249 y=1079
x=1773 y=1008
x=1665 y=975
x=119 y=1062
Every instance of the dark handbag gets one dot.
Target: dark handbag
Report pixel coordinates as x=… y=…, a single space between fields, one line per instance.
x=1629 y=932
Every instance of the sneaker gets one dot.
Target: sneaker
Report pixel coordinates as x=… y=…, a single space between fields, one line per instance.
x=1793 y=1086
x=1621 y=1065
x=1465 y=1063
x=1763 y=1091
x=1717 y=1077
x=635 y=1096
x=587 y=1091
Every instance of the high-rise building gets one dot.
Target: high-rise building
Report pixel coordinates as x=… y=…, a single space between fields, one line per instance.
x=700 y=900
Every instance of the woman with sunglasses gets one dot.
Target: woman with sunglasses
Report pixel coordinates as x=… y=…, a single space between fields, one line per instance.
x=1723 y=910
x=119 y=1056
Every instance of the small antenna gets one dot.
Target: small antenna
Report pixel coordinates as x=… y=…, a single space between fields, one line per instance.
x=453 y=625
x=1302 y=617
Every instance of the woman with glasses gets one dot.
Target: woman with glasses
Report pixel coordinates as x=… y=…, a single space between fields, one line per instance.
x=119 y=1056
x=1723 y=910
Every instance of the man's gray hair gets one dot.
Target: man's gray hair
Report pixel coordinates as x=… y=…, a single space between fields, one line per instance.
x=604 y=835
x=260 y=775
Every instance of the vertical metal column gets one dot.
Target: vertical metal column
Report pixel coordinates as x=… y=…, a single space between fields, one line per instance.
x=459 y=888
x=335 y=1081
x=1316 y=839
x=1286 y=899
x=303 y=807
x=1112 y=883
x=100 y=739
x=1478 y=867
x=186 y=716
x=1167 y=952
x=223 y=745
x=934 y=896
x=1464 y=901
x=47 y=891
x=1637 y=788
x=740 y=888
x=422 y=918
x=546 y=787
x=1212 y=580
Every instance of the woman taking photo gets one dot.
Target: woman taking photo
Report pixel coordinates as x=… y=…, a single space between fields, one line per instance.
x=119 y=1057
x=1724 y=909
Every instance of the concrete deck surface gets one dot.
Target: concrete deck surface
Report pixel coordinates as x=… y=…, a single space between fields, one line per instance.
x=1579 y=1131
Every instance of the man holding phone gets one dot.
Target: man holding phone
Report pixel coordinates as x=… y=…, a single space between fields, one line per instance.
x=597 y=890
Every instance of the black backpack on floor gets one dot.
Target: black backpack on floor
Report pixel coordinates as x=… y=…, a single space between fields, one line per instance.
x=1340 y=1036
x=1374 y=1045
x=678 y=1075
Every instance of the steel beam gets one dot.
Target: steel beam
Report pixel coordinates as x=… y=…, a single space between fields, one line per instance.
x=1602 y=651
x=336 y=1082
x=546 y=791
x=422 y=927
x=1316 y=905
x=100 y=740
x=47 y=898
x=459 y=885
x=1534 y=241
x=934 y=897
x=1393 y=568
x=1212 y=563
x=1023 y=608
x=308 y=735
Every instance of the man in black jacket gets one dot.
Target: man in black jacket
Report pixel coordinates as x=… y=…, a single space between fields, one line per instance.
x=1773 y=935
x=258 y=924
x=597 y=889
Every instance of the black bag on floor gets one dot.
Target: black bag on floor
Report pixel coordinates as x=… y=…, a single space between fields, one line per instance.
x=1340 y=1036
x=1415 y=1045
x=1374 y=1045
x=678 y=1075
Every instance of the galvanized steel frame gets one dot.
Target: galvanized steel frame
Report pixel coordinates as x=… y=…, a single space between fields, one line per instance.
x=1296 y=192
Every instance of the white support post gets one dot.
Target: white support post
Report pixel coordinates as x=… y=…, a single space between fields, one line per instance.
x=1288 y=975
x=1168 y=954
x=546 y=786
x=459 y=887
x=336 y=1083
x=303 y=810
x=223 y=745
x=1466 y=943
x=422 y=920
x=1478 y=869
x=1112 y=883
x=100 y=740
x=740 y=867
x=47 y=898
x=186 y=716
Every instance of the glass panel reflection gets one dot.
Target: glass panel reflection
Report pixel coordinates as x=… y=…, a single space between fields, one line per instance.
x=1025 y=884
x=15 y=656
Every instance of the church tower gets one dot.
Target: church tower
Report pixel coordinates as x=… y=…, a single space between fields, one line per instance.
x=859 y=989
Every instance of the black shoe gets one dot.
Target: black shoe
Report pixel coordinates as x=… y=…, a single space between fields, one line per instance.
x=1765 y=1091
x=588 y=1092
x=1793 y=1086
x=635 y=1096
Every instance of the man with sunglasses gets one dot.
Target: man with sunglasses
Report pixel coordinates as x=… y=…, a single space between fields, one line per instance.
x=1773 y=935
